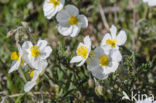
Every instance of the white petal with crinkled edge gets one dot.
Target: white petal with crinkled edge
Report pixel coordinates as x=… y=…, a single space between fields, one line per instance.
x=50 y=10
x=99 y=52
x=42 y=44
x=72 y=10
x=76 y=59
x=15 y=65
x=45 y=53
x=81 y=63
x=83 y=21
x=121 y=38
x=65 y=31
x=116 y=55
x=87 y=42
x=107 y=50
x=75 y=31
x=47 y=6
x=60 y=7
x=29 y=85
x=113 y=31
x=98 y=73
x=62 y=16
x=50 y=15
x=105 y=38
x=26 y=46
x=93 y=63
x=39 y=64
x=112 y=68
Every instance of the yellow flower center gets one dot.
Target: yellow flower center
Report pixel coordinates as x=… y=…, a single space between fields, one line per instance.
x=15 y=56
x=31 y=74
x=35 y=51
x=55 y=2
x=73 y=20
x=104 y=61
x=82 y=51
x=111 y=42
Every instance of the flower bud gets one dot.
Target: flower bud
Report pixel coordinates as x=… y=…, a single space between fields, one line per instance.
x=99 y=89
x=10 y=33
x=91 y=83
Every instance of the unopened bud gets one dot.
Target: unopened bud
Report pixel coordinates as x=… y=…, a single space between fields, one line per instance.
x=99 y=90
x=91 y=83
x=10 y=33
x=17 y=36
x=25 y=24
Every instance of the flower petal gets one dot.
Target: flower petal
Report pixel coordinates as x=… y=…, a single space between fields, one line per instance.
x=72 y=10
x=36 y=74
x=42 y=44
x=92 y=64
x=113 y=31
x=107 y=49
x=52 y=14
x=47 y=6
x=121 y=38
x=83 y=21
x=65 y=31
x=39 y=64
x=116 y=55
x=62 y=16
x=98 y=73
x=14 y=66
x=112 y=68
x=46 y=52
x=49 y=10
x=76 y=59
x=76 y=30
x=99 y=52
x=27 y=45
x=60 y=6
x=105 y=38
x=29 y=85
x=87 y=42
x=82 y=62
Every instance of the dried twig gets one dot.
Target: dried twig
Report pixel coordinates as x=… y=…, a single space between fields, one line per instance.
x=3 y=100
x=20 y=94
x=103 y=16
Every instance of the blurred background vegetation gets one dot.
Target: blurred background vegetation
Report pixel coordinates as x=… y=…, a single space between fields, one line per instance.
x=64 y=82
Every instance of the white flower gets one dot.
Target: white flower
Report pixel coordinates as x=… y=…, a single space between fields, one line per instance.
x=35 y=76
x=51 y=7
x=104 y=62
x=70 y=22
x=113 y=40
x=17 y=58
x=150 y=2
x=147 y=100
x=83 y=51
x=35 y=54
